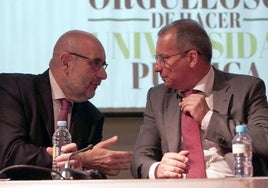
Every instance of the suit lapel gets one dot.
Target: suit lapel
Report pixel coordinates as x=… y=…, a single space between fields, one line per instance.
x=83 y=125
x=44 y=102
x=221 y=96
x=172 y=118
x=78 y=123
x=221 y=103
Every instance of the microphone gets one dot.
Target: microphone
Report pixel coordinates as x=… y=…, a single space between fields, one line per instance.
x=69 y=173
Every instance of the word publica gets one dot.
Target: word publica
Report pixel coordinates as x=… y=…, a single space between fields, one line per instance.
x=143 y=73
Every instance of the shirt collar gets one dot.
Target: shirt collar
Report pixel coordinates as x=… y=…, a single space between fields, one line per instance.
x=56 y=91
x=205 y=85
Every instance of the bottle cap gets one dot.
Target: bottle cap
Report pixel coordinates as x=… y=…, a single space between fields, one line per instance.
x=241 y=128
x=61 y=123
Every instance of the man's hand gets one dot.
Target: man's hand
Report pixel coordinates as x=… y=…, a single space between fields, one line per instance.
x=173 y=165
x=106 y=161
x=61 y=160
x=196 y=105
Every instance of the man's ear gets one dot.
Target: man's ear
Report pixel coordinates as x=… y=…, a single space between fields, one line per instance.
x=193 y=57
x=65 y=61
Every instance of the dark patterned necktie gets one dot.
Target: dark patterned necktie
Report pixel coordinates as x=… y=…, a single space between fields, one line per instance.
x=65 y=106
x=192 y=143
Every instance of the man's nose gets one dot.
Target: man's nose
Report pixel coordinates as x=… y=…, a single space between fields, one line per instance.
x=102 y=74
x=157 y=66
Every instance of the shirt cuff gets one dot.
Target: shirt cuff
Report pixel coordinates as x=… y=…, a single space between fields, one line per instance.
x=152 y=170
x=206 y=120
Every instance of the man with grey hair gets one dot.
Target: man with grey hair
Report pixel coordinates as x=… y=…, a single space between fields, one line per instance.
x=220 y=102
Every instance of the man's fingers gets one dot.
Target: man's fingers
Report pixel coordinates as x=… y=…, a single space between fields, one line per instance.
x=50 y=150
x=69 y=148
x=107 y=143
x=122 y=154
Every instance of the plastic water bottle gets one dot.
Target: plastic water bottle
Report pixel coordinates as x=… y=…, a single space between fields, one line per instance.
x=242 y=151
x=60 y=138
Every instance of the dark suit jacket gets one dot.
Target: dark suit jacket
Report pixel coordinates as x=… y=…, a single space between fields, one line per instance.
x=236 y=99
x=27 y=121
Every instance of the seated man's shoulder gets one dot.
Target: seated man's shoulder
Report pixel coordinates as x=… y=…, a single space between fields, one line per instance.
x=16 y=76
x=15 y=80
x=161 y=88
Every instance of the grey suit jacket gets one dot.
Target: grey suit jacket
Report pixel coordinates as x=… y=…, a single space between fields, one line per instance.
x=236 y=99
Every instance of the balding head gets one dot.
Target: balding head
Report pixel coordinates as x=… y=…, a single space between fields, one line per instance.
x=76 y=40
x=73 y=64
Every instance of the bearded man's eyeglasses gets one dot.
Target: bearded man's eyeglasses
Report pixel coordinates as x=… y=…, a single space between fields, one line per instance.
x=96 y=63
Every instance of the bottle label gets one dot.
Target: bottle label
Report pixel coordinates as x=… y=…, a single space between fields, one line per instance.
x=239 y=148
x=56 y=151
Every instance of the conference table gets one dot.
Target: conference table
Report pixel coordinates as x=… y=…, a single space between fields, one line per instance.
x=254 y=182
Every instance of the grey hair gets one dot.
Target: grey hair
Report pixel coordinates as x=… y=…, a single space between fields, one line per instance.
x=190 y=35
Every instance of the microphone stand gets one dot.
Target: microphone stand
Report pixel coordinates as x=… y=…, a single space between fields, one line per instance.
x=69 y=173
